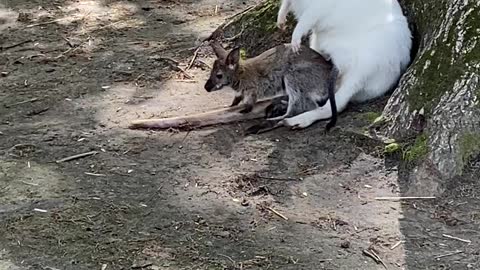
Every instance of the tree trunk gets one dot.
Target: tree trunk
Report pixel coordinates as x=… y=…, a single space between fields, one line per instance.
x=437 y=101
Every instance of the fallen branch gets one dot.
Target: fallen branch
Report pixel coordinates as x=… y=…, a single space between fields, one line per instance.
x=277 y=213
x=70 y=158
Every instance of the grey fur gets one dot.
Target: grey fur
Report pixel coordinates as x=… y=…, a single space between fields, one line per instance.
x=306 y=78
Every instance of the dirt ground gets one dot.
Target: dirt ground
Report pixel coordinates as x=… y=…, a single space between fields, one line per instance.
x=74 y=73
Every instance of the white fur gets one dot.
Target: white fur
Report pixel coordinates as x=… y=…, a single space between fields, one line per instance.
x=369 y=42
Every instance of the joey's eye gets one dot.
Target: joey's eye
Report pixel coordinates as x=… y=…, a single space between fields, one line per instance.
x=219 y=76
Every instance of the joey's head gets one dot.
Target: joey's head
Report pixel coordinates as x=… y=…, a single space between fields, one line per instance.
x=225 y=68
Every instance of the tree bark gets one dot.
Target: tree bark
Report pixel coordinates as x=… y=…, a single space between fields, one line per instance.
x=437 y=101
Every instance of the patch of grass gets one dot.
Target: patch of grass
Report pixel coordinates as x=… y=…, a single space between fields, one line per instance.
x=392 y=148
x=469 y=146
x=418 y=150
x=370 y=116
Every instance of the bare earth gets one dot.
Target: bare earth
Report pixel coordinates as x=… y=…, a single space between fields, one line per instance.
x=207 y=199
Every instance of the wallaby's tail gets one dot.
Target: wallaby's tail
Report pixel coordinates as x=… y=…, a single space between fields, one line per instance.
x=216 y=117
x=331 y=95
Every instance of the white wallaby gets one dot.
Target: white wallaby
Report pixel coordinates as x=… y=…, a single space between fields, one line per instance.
x=369 y=41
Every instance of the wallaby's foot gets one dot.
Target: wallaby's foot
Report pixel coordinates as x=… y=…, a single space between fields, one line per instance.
x=282 y=22
x=300 y=121
x=277 y=108
x=248 y=108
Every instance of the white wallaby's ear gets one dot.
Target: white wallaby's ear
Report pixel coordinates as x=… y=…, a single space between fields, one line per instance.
x=233 y=58
x=220 y=52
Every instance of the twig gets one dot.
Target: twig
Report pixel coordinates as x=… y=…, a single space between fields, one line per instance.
x=68 y=41
x=456 y=238
x=402 y=198
x=235 y=36
x=397 y=244
x=94 y=174
x=37 y=112
x=205 y=64
x=45 y=23
x=30 y=184
x=448 y=254
x=176 y=67
x=77 y=156
x=22 y=102
x=15 y=45
x=277 y=213
x=277 y=178
x=231 y=260
x=195 y=54
x=215 y=34
x=187 y=81
x=375 y=257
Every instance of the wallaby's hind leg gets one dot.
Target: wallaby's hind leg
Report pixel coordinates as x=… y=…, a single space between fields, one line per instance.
x=293 y=96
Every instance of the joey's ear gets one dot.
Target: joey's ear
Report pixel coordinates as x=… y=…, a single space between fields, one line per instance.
x=220 y=52
x=233 y=58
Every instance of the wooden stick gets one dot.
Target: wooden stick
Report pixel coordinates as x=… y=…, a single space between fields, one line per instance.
x=195 y=54
x=70 y=158
x=22 y=102
x=448 y=254
x=45 y=23
x=15 y=45
x=456 y=238
x=375 y=257
x=402 y=198
x=94 y=174
x=277 y=213
x=397 y=244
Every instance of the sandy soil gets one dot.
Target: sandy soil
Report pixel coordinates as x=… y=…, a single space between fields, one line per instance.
x=204 y=199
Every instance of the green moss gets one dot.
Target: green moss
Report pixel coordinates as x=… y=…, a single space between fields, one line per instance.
x=392 y=148
x=469 y=146
x=370 y=116
x=436 y=70
x=243 y=54
x=418 y=150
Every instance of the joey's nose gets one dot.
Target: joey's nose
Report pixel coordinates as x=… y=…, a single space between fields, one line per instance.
x=209 y=86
